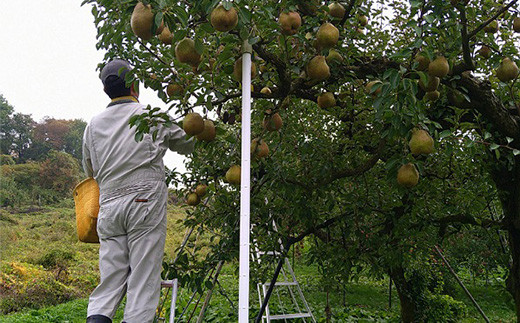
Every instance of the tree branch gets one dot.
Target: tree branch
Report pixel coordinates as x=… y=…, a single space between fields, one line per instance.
x=468 y=61
x=487 y=22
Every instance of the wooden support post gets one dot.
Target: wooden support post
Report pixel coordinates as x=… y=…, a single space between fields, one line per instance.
x=210 y=292
x=461 y=284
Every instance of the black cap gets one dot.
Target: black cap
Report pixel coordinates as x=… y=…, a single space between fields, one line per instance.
x=116 y=67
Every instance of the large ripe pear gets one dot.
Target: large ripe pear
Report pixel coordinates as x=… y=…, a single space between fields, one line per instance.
x=485 y=51
x=492 y=27
x=259 y=149
x=432 y=85
x=290 y=22
x=193 y=124
x=237 y=69
x=336 y=10
x=368 y=88
x=192 y=199
x=439 y=67
x=209 y=133
x=407 y=175
x=363 y=20
x=174 y=90
x=327 y=36
x=334 y=56
x=166 y=36
x=233 y=175
x=273 y=122
x=432 y=95
x=201 y=190
x=421 y=143
x=142 y=21
x=422 y=62
x=186 y=53
x=516 y=25
x=507 y=71
x=326 y=100
x=317 y=69
x=222 y=19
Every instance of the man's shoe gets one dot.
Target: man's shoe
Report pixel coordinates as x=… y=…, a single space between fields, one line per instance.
x=98 y=319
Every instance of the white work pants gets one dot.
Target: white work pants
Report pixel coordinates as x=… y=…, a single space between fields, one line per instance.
x=132 y=230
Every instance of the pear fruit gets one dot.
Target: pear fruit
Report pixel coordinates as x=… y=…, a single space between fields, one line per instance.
x=327 y=35
x=363 y=20
x=456 y=98
x=432 y=95
x=439 y=67
x=259 y=149
x=326 y=100
x=432 y=85
x=233 y=175
x=334 y=56
x=142 y=21
x=492 y=27
x=237 y=70
x=265 y=90
x=174 y=90
x=317 y=68
x=421 y=142
x=368 y=88
x=222 y=19
x=485 y=51
x=336 y=10
x=201 y=190
x=507 y=71
x=166 y=36
x=273 y=122
x=192 y=199
x=209 y=133
x=407 y=175
x=186 y=53
x=516 y=25
x=290 y=22
x=422 y=62
x=193 y=124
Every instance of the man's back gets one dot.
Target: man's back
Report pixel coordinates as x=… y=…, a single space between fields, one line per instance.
x=117 y=159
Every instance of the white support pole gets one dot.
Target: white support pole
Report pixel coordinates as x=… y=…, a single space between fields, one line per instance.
x=243 y=286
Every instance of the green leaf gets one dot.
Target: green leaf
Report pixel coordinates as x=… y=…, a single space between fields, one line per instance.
x=516 y=152
x=199 y=46
x=444 y=134
x=157 y=22
x=493 y=146
x=509 y=140
x=244 y=34
x=254 y=40
x=227 y=5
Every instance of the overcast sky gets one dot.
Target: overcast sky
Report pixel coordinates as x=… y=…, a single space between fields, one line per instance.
x=48 y=61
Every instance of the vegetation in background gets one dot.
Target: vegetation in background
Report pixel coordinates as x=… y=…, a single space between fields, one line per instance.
x=40 y=161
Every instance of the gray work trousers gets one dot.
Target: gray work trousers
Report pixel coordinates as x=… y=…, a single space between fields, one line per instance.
x=132 y=230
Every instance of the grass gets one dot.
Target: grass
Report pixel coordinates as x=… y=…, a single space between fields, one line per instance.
x=27 y=236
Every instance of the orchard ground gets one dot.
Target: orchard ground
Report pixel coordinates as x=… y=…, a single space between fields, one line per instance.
x=41 y=243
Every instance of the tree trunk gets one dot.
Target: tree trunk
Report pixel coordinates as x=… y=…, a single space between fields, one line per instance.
x=508 y=186
x=404 y=290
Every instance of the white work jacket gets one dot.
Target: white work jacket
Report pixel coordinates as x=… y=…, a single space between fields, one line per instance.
x=113 y=157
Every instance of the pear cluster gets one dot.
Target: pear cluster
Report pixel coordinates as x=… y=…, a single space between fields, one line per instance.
x=195 y=196
x=421 y=143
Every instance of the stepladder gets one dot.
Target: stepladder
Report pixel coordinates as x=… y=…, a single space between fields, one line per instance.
x=288 y=302
x=167 y=287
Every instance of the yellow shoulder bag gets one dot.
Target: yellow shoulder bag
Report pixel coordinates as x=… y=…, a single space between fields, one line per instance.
x=86 y=199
